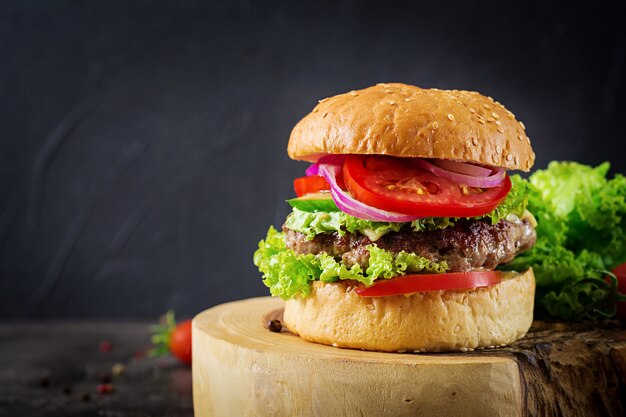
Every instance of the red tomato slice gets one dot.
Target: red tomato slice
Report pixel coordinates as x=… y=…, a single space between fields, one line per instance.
x=311 y=184
x=620 y=273
x=407 y=284
x=394 y=184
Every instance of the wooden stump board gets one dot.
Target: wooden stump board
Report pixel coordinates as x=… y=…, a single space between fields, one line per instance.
x=240 y=368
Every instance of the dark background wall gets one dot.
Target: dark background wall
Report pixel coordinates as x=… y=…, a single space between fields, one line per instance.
x=142 y=143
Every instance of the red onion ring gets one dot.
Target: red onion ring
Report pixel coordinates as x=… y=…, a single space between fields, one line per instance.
x=352 y=206
x=328 y=159
x=491 y=181
x=462 y=167
x=314 y=169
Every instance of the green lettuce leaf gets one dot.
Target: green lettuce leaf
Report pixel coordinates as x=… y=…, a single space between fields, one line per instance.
x=581 y=232
x=314 y=223
x=288 y=274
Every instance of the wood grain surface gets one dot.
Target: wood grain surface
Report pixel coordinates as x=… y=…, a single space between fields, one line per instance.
x=242 y=368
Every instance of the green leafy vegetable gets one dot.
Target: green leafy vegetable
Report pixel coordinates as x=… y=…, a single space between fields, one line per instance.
x=288 y=274
x=581 y=232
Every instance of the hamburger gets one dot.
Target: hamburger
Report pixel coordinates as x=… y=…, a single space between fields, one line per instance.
x=401 y=222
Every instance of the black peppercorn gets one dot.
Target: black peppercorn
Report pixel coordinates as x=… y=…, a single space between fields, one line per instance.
x=275 y=326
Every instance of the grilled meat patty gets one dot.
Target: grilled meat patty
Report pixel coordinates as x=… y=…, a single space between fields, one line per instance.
x=466 y=246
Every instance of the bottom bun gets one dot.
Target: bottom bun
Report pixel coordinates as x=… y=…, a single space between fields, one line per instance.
x=433 y=321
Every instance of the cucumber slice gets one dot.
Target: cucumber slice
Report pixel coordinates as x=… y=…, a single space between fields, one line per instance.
x=314 y=202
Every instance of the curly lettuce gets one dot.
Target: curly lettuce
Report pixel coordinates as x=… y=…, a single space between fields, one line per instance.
x=581 y=233
x=313 y=223
x=288 y=274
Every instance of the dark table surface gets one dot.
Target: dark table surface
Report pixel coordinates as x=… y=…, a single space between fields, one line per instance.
x=56 y=368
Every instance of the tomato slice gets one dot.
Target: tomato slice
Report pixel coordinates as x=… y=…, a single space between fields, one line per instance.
x=310 y=184
x=620 y=273
x=407 y=284
x=394 y=184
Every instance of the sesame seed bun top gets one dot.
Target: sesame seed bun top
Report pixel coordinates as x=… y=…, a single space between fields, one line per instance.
x=406 y=121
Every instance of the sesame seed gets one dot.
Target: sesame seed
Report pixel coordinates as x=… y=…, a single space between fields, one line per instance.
x=475 y=141
x=388 y=91
x=510 y=115
x=450 y=116
x=324 y=115
x=335 y=345
x=490 y=120
x=522 y=124
x=498 y=122
x=315 y=110
x=391 y=187
x=472 y=110
x=370 y=306
x=382 y=84
x=520 y=137
x=494 y=157
x=392 y=103
x=323 y=100
x=354 y=93
x=402 y=351
x=509 y=157
x=407 y=99
x=435 y=125
x=495 y=115
x=463 y=349
x=516 y=159
x=416 y=351
x=481 y=121
x=498 y=148
x=487 y=106
x=500 y=130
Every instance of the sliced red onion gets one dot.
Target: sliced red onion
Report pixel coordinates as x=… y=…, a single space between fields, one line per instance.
x=328 y=159
x=312 y=170
x=352 y=206
x=491 y=181
x=462 y=167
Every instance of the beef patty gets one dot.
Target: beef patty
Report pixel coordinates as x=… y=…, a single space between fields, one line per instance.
x=466 y=246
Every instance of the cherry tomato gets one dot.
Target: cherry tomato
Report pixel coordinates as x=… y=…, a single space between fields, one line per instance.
x=620 y=273
x=394 y=184
x=407 y=284
x=310 y=184
x=180 y=341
